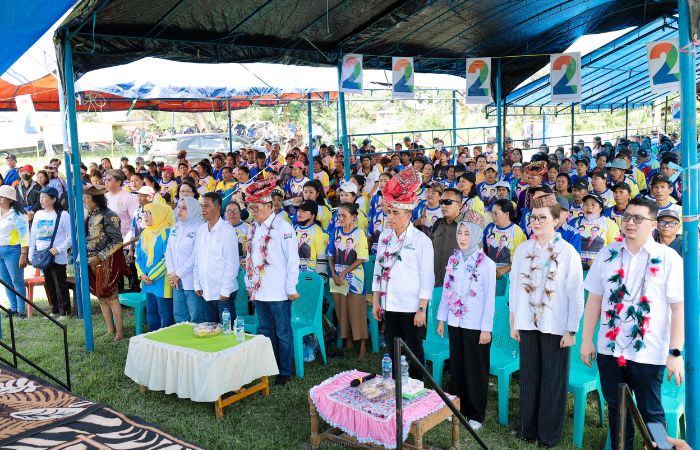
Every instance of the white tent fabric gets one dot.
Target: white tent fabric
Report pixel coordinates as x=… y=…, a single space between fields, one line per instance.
x=152 y=78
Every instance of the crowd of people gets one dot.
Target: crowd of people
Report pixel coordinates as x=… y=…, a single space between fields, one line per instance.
x=603 y=218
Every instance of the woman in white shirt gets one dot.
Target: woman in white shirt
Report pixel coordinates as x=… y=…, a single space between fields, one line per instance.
x=14 y=237
x=179 y=260
x=43 y=227
x=468 y=306
x=546 y=304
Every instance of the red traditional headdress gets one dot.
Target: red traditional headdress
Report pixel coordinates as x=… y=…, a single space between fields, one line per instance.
x=261 y=191
x=536 y=168
x=402 y=190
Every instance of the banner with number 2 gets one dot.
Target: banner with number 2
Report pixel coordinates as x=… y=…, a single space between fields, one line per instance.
x=664 y=70
x=565 y=77
x=403 y=75
x=478 y=81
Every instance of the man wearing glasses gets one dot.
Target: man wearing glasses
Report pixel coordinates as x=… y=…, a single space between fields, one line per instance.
x=668 y=223
x=636 y=291
x=445 y=232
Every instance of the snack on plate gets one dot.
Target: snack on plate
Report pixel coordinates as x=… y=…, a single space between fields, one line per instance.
x=207 y=329
x=377 y=389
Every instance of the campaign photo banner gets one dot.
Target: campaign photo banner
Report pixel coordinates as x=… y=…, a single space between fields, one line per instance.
x=664 y=70
x=351 y=74
x=478 y=81
x=565 y=77
x=403 y=76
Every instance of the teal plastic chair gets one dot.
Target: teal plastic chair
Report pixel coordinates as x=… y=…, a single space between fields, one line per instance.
x=373 y=324
x=436 y=348
x=250 y=320
x=505 y=356
x=307 y=317
x=502 y=286
x=582 y=381
x=137 y=301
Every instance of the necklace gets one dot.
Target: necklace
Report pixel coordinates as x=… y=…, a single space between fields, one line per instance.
x=548 y=270
x=255 y=274
x=456 y=303
x=386 y=262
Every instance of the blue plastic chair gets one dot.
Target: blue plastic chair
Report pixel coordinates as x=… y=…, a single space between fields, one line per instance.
x=373 y=324
x=306 y=317
x=505 y=355
x=137 y=301
x=250 y=320
x=502 y=286
x=436 y=348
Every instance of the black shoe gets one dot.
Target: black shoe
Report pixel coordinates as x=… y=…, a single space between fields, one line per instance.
x=281 y=380
x=22 y=315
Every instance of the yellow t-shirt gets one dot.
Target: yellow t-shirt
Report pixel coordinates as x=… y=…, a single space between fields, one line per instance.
x=312 y=244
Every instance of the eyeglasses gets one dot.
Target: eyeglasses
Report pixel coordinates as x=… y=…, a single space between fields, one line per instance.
x=448 y=202
x=668 y=224
x=637 y=219
x=538 y=219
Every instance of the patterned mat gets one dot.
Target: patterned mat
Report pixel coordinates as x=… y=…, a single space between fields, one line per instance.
x=37 y=415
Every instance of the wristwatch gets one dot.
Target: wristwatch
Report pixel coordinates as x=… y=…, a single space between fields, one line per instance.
x=674 y=352
x=421 y=309
x=572 y=333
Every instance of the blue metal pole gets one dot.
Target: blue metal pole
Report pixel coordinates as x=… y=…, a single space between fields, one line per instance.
x=454 y=126
x=337 y=122
x=690 y=227
x=230 y=128
x=343 y=125
x=309 y=114
x=544 y=127
x=499 y=106
x=572 y=125
x=82 y=275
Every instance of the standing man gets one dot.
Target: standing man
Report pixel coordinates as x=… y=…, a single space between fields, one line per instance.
x=12 y=175
x=445 y=232
x=121 y=202
x=641 y=317
x=216 y=261
x=403 y=277
x=272 y=273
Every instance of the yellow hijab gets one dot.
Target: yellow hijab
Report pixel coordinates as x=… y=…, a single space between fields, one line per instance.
x=163 y=218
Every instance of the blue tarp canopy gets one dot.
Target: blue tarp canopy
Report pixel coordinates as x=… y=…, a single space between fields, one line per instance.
x=613 y=76
x=23 y=23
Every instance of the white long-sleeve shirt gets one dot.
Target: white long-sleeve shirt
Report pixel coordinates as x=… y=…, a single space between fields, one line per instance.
x=215 y=261
x=281 y=274
x=564 y=306
x=473 y=286
x=43 y=225
x=180 y=255
x=412 y=277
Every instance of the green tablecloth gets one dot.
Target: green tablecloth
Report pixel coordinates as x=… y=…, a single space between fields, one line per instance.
x=183 y=336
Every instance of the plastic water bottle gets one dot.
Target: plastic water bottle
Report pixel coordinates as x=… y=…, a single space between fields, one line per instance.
x=404 y=370
x=386 y=366
x=226 y=321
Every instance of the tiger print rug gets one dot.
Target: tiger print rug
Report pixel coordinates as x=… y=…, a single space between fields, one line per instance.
x=37 y=415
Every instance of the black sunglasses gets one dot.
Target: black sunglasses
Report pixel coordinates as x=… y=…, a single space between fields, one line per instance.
x=448 y=202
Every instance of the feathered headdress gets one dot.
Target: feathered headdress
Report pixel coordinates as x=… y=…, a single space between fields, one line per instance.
x=402 y=190
x=261 y=191
x=538 y=168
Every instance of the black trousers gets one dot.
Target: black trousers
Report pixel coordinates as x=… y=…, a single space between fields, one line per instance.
x=57 y=289
x=644 y=380
x=400 y=324
x=544 y=378
x=469 y=371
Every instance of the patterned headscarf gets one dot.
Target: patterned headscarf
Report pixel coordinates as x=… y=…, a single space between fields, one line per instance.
x=475 y=224
x=163 y=219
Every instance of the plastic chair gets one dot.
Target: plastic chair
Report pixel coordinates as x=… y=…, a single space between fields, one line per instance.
x=250 y=320
x=373 y=324
x=436 y=348
x=137 y=301
x=30 y=284
x=306 y=317
x=502 y=286
x=505 y=356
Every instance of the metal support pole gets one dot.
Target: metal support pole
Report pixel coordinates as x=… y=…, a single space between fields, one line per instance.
x=665 y=114
x=690 y=226
x=398 y=394
x=343 y=125
x=230 y=128
x=572 y=125
x=544 y=127
x=82 y=275
x=337 y=123
x=309 y=114
x=454 y=126
x=499 y=129
x=627 y=116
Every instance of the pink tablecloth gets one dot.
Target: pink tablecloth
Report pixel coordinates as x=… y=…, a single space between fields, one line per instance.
x=368 y=421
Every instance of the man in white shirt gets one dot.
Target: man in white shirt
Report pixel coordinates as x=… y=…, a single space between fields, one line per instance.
x=641 y=317
x=272 y=273
x=403 y=277
x=122 y=203
x=216 y=261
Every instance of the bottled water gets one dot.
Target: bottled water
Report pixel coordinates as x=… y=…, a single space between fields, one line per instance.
x=239 y=329
x=226 y=321
x=386 y=366
x=404 y=370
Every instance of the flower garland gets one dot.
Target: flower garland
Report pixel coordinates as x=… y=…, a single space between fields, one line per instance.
x=255 y=274
x=386 y=261
x=529 y=284
x=634 y=312
x=455 y=302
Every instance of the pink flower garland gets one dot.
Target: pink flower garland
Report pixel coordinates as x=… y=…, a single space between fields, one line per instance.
x=455 y=303
x=260 y=268
x=386 y=262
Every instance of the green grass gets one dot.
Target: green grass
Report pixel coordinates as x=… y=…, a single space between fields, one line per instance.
x=280 y=421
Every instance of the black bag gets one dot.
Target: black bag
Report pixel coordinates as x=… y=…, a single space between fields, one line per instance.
x=42 y=259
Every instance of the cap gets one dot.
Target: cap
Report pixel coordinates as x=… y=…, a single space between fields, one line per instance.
x=123 y=158
x=503 y=184
x=8 y=192
x=517 y=165
x=595 y=197
x=600 y=174
x=50 y=191
x=618 y=163
x=139 y=160
x=582 y=160
x=469 y=176
x=580 y=184
x=349 y=186
x=13 y=157
x=642 y=153
x=169 y=169
x=669 y=212
x=622 y=185
x=366 y=142
x=658 y=178
x=298 y=165
x=491 y=167
x=309 y=205
x=563 y=202
x=146 y=190
x=28 y=168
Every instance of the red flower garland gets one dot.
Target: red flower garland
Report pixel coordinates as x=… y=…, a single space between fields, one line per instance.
x=260 y=268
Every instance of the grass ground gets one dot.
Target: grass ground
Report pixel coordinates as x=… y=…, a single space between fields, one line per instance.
x=280 y=421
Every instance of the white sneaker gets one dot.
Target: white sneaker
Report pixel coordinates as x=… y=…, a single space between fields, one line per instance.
x=62 y=318
x=476 y=426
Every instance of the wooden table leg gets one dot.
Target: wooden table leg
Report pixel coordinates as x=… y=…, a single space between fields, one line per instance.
x=455 y=433
x=418 y=436
x=315 y=438
x=142 y=389
x=266 y=390
x=219 y=408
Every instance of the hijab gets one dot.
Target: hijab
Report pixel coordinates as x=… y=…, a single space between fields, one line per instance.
x=163 y=219
x=475 y=233
x=194 y=211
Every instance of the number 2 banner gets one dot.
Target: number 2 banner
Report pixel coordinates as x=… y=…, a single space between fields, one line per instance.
x=403 y=75
x=478 y=81
x=351 y=75
x=664 y=70
x=565 y=77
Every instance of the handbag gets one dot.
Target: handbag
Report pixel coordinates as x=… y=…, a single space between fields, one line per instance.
x=42 y=259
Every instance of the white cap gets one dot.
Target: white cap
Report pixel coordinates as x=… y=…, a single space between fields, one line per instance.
x=10 y=192
x=146 y=190
x=349 y=186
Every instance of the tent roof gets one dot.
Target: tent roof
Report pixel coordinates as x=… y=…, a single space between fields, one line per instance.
x=612 y=74
x=439 y=33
